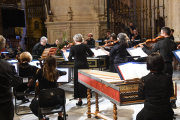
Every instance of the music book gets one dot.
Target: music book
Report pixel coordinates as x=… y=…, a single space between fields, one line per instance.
x=132 y=70
x=98 y=52
x=48 y=51
x=136 y=52
x=177 y=54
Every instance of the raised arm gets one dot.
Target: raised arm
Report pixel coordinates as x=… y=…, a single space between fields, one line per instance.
x=108 y=53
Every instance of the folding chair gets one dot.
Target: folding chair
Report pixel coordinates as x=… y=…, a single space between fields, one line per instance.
x=18 y=94
x=47 y=93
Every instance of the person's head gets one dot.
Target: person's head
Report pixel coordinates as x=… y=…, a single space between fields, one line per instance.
x=108 y=33
x=78 y=38
x=122 y=39
x=43 y=40
x=113 y=36
x=155 y=62
x=172 y=31
x=90 y=35
x=131 y=24
x=25 y=57
x=165 y=31
x=135 y=32
x=7 y=45
x=2 y=43
x=49 y=68
x=19 y=46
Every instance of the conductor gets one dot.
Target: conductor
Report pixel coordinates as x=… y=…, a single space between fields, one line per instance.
x=39 y=47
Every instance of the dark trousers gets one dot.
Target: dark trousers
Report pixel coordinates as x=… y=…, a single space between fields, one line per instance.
x=7 y=111
x=168 y=68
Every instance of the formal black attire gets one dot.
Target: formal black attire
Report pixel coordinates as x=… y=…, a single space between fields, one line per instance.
x=38 y=48
x=80 y=62
x=18 y=52
x=90 y=42
x=172 y=37
x=131 y=35
x=165 y=48
x=7 y=75
x=136 y=41
x=156 y=89
x=45 y=84
x=25 y=70
x=119 y=54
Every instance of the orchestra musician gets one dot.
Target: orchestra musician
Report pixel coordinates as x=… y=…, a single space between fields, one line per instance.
x=118 y=52
x=8 y=76
x=78 y=51
x=156 y=88
x=90 y=41
x=39 y=47
x=47 y=77
x=165 y=48
x=171 y=34
x=136 y=38
x=25 y=70
x=130 y=29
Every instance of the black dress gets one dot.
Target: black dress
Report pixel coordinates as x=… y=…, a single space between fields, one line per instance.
x=119 y=54
x=80 y=62
x=156 y=89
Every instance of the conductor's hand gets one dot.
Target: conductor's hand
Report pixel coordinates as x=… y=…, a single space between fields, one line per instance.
x=57 y=41
x=141 y=45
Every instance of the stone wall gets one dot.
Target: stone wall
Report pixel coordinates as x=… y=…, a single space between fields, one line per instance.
x=77 y=16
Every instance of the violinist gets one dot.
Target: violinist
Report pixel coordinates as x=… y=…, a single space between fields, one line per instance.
x=165 y=48
x=108 y=35
x=90 y=41
x=136 y=38
x=118 y=52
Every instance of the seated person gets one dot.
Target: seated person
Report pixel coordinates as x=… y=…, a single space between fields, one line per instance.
x=47 y=77
x=90 y=41
x=156 y=88
x=18 y=51
x=10 y=50
x=25 y=70
x=39 y=47
x=136 y=38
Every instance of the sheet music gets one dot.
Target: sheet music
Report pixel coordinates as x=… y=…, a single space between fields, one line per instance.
x=177 y=54
x=136 y=52
x=133 y=70
x=67 y=52
x=98 y=52
x=63 y=78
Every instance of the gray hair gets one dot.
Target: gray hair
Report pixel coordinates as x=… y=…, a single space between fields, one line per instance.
x=122 y=39
x=2 y=42
x=78 y=38
x=43 y=38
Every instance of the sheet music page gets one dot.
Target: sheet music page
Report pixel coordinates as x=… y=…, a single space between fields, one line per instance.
x=178 y=53
x=67 y=52
x=136 y=52
x=128 y=71
x=63 y=78
x=98 y=52
x=141 y=70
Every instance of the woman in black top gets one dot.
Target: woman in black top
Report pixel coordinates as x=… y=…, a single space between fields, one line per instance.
x=156 y=88
x=118 y=52
x=25 y=70
x=47 y=78
x=78 y=51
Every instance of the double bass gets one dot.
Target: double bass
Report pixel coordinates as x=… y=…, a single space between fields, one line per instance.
x=150 y=42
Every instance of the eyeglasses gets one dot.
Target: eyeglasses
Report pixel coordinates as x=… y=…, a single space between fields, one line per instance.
x=43 y=41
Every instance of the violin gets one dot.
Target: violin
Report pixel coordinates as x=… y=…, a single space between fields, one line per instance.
x=151 y=42
x=67 y=47
x=110 y=44
x=106 y=41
